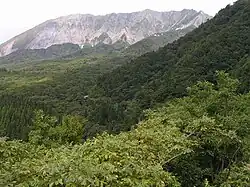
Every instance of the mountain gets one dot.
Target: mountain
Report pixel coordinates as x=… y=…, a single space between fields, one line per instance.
x=201 y=139
x=98 y=50
x=109 y=29
x=155 y=41
x=116 y=98
x=52 y=52
x=222 y=43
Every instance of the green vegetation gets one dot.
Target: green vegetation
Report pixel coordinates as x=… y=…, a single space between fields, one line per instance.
x=59 y=87
x=52 y=52
x=48 y=130
x=220 y=44
x=116 y=100
x=98 y=50
x=202 y=138
x=154 y=42
x=111 y=91
x=173 y=117
x=16 y=113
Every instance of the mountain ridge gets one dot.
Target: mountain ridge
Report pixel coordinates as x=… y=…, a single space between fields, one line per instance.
x=166 y=73
x=84 y=29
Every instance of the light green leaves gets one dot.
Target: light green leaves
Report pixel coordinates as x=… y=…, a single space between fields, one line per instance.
x=190 y=141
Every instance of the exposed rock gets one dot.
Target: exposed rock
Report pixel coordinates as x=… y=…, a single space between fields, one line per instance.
x=108 y=29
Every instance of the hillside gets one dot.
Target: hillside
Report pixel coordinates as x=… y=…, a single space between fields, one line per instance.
x=108 y=29
x=60 y=52
x=220 y=44
x=157 y=40
x=175 y=117
x=115 y=98
x=200 y=140
x=52 y=52
x=57 y=86
x=99 y=50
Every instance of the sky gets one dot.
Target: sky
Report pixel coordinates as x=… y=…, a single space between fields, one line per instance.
x=17 y=16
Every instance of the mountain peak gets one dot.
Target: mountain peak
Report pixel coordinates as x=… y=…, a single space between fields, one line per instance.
x=148 y=11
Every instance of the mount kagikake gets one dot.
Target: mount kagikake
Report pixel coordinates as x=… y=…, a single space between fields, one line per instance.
x=88 y=29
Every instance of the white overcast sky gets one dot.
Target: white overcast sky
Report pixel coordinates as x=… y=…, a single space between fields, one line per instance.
x=16 y=16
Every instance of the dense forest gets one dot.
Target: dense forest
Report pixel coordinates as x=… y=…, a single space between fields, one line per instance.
x=199 y=140
x=178 y=116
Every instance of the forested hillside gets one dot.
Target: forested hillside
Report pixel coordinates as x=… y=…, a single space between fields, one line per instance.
x=154 y=42
x=219 y=44
x=178 y=116
x=199 y=140
x=115 y=101
x=52 y=52
x=57 y=87
x=223 y=43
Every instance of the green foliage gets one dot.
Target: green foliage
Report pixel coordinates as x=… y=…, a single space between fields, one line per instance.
x=58 y=87
x=48 y=130
x=199 y=140
x=242 y=71
x=222 y=43
x=129 y=159
x=52 y=52
x=16 y=114
x=218 y=120
x=98 y=50
x=154 y=42
x=239 y=177
x=112 y=93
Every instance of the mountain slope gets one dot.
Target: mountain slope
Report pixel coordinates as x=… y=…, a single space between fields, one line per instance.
x=115 y=101
x=155 y=77
x=54 y=51
x=154 y=42
x=108 y=29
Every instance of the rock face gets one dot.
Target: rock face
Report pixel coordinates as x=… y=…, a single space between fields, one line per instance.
x=108 y=29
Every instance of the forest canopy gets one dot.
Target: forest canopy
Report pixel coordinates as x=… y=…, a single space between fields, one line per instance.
x=201 y=139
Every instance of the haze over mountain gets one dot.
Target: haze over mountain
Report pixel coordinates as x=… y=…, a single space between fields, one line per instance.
x=108 y=29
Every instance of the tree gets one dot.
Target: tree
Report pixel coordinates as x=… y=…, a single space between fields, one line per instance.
x=48 y=130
